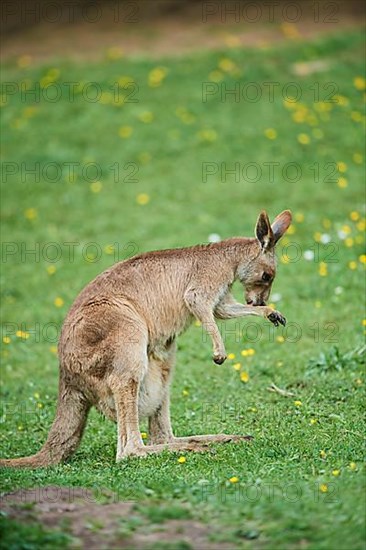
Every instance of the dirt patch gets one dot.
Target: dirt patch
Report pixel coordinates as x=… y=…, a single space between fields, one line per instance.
x=164 y=28
x=109 y=525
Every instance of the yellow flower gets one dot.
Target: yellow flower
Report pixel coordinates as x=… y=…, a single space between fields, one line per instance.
x=124 y=81
x=20 y=427
x=285 y=259
x=143 y=435
x=270 y=133
x=342 y=182
x=30 y=111
x=299 y=217
x=362 y=258
x=356 y=116
x=349 y=242
x=341 y=100
x=156 y=76
x=298 y=403
x=207 y=135
x=36 y=395
x=361 y=225
x=96 y=187
x=354 y=216
x=109 y=249
x=197 y=323
x=146 y=116
x=346 y=229
x=182 y=459
x=364 y=322
x=304 y=139
x=234 y=479
x=353 y=466
x=6 y=340
x=313 y=421
x=51 y=269
x=299 y=116
x=58 y=302
x=336 y=473
x=215 y=76
x=231 y=356
x=352 y=265
x=106 y=98
x=237 y=366
x=323 y=488
x=357 y=158
x=327 y=223
x=359 y=83
x=244 y=377
x=323 y=269
x=185 y=393
x=342 y=166
x=291 y=230
x=226 y=65
x=142 y=199
x=323 y=454
x=125 y=131
x=40 y=405
x=279 y=363
x=31 y=213
x=22 y=334
x=280 y=339
x=53 y=349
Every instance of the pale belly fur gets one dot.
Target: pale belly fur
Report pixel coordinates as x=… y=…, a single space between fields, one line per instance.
x=150 y=397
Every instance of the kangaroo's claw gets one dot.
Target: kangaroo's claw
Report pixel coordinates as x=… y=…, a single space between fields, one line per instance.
x=218 y=359
x=276 y=318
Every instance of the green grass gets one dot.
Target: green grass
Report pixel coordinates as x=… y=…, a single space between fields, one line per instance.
x=278 y=501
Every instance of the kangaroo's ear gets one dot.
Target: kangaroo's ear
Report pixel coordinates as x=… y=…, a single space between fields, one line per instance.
x=281 y=224
x=263 y=231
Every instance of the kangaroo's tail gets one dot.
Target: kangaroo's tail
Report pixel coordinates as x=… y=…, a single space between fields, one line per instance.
x=65 y=433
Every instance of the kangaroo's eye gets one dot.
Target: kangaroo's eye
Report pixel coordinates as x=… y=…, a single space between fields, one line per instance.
x=266 y=277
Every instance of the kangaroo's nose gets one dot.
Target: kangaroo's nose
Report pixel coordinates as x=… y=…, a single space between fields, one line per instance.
x=250 y=302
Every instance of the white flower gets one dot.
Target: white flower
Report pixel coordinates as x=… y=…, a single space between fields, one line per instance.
x=342 y=235
x=338 y=290
x=214 y=238
x=325 y=238
x=276 y=297
x=309 y=255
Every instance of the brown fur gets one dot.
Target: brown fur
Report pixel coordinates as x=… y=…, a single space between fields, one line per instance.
x=117 y=346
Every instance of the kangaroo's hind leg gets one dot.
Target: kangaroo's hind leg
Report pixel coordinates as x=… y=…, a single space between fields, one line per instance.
x=129 y=367
x=160 y=429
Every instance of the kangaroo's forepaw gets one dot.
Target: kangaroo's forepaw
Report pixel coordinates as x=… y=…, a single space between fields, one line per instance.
x=277 y=318
x=219 y=358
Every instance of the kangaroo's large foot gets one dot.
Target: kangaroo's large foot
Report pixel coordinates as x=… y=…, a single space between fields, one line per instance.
x=214 y=438
x=195 y=443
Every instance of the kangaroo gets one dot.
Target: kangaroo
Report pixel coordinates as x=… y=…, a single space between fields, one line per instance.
x=118 y=343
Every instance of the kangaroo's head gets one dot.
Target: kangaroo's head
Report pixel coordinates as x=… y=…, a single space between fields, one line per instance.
x=258 y=273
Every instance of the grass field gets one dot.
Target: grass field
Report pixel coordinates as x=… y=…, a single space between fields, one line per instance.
x=300 y=483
